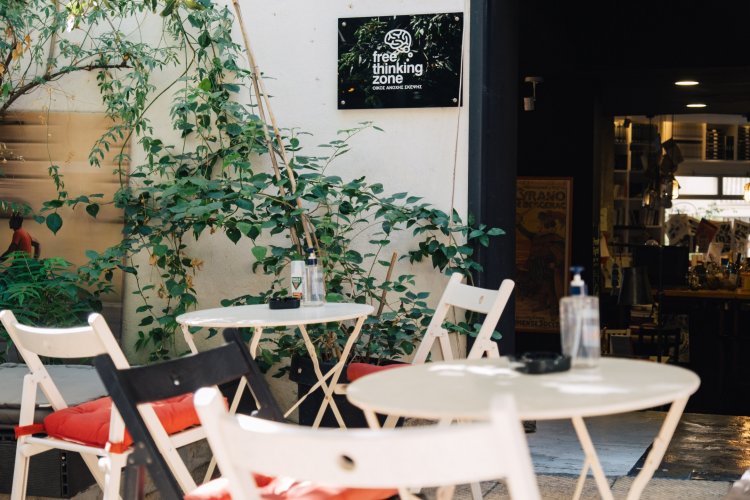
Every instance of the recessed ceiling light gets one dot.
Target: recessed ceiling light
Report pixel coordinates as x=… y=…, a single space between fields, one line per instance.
x=696 y=105
x=686 y=83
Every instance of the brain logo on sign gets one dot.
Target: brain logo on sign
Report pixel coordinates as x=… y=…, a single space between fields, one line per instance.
x=399 y=40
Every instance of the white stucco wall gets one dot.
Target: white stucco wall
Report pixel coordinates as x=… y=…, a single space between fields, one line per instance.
x=295 y=44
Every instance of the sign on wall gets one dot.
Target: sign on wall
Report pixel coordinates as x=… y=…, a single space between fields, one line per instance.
x=543 y=228
x=400 y=61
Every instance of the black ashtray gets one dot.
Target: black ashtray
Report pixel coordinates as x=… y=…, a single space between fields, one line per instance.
x=283 y=303
x=536 y=363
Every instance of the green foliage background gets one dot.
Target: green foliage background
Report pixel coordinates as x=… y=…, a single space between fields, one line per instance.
x=214 y=182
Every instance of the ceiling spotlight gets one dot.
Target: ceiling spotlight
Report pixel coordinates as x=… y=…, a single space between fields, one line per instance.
x=696 y=105
x=686 y=83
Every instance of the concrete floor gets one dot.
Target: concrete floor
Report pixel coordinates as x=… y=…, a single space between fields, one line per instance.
x=706 y=447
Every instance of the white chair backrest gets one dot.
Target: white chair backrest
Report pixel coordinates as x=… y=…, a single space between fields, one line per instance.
x=83 y=342
x=383 y=458
x=64 y=343
x=491 y=303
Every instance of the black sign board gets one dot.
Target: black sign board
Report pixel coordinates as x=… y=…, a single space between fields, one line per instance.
x=400 y=61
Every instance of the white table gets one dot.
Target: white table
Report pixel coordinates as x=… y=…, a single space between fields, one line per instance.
x=259 y=317
x=463 y=389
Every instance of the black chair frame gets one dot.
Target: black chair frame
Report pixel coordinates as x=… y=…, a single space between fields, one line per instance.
x=146 y=384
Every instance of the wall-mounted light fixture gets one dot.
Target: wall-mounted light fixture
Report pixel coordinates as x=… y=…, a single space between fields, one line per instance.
x=686 y=83
x=529 y=103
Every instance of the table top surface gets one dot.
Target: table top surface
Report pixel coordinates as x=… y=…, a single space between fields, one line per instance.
x=463 y=389
x=260 y=315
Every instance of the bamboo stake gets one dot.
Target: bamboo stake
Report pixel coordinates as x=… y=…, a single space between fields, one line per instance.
x=264 y=103
x=387 y=278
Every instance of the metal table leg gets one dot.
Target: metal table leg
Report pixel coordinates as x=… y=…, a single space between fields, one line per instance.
x=328 y=388
x=189 y=338
x=658 y=448
x=593 y=460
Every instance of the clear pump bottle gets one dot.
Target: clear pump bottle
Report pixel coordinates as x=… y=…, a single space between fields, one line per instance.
x=314 y=285
x=579 y=324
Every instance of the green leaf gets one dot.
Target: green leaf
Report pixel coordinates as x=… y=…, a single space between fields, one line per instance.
x=233 y=129
x=204 y=40
x=205 y=85
x=495 y=231
x=259 y=252
x=169 y=8
x=160 y=250
x=234 y=234
x=54 y=222
x=334 y=297
x=92 y=209
x=244 y=228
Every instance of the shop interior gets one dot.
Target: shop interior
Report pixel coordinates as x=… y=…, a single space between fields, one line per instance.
x=660 y=171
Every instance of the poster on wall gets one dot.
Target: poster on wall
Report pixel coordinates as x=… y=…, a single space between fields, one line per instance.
x=543 y=222
x=400 y=61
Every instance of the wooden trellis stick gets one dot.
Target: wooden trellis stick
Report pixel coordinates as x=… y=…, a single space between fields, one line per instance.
x=387 y=278
x=263 y=104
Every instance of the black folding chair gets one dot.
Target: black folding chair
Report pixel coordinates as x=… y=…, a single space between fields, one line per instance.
x=146 y=384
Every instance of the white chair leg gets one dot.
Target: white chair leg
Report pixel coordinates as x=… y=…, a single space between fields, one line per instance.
x=92 y=462
x=390 y=422
x=476 y=491
x=20 y=472
x=113 y=475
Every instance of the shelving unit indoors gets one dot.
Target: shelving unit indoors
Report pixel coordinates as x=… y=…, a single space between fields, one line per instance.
x=633 y=224
x=715 y=149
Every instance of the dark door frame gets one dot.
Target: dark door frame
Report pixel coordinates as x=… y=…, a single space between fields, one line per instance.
x=493 y=128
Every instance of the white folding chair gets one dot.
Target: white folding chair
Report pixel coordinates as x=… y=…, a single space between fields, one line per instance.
x=82 y=342
x=491 y=303
x=429 y=456
x=458 y=295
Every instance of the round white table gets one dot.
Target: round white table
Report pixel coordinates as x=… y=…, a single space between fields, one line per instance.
x=259 y=317
x=463 y=390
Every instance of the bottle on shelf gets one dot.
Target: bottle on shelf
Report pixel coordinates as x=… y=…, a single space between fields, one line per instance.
x=739 y=268
x=315 y=293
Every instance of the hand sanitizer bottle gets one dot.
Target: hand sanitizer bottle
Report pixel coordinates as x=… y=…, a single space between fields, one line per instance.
x=579 y=324
x=314 y=286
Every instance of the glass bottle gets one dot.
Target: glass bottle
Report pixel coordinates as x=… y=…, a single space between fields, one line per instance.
x=314 y=285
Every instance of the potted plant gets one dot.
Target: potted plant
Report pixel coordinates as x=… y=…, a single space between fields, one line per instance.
x=354 y=227
x=43 y=292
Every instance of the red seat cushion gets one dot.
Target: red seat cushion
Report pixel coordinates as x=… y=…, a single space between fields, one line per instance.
x=287 y=489
x=357 y=370
x=88 y=423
